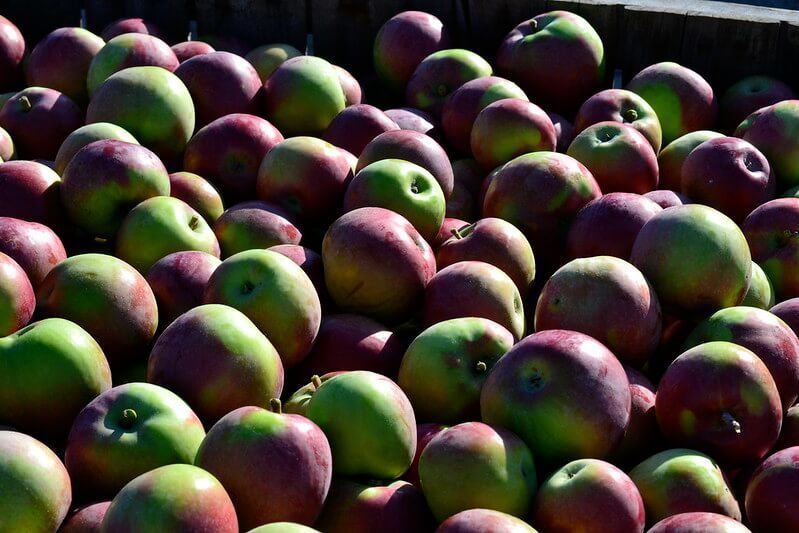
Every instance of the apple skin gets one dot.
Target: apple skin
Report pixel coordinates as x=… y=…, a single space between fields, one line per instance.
x=626 y=107
x=683 y=100
x=39 y=119
x=131 y=25
x=35 y=484
x=61 y=61
x=483 y=521
x=769 y=230
x=35 y=247
x=106 y=297
x=730 y=175
x=88 y=519
x=788 y=311
x=477 y=289
x=126 y=51
x=445 y=233
x=509 y=128
x=126 y=431
x=283 y=527
x=376 y=264
x=695 y=257
x=178 y=282
x=443 y=387
x=698 y=522
x=771 y=339
x=607 y=298
x=50 y=355
x=760 y=293
x=228 y=152
x=465 y=103
x=352 y=342
x=220 y=83
x=618 y=156
x=173 y=498
x=789 y=434
x=353 y=93
x=377 y=438
x=474 y=465
x=642 y=437
x=771 y=482
x=467 y=181
x=666 y=198
x=402 y=187
x=30 y=192
x=540 y=193
x=403 y=42
x=12 y=50
x=556 y=57
x=409 y=118
x=306 y=176
x=673 y=155
x=303 y=95
x=309 y=261
x=494 y=241
x=217 y=360
x=359 y=506
x=424 y=434
x=356 y=126
x=152 y=104
x=414 y=147
x=275 y=294
x=276 y=467
x=297 y=403
x=7 y=150
x=590 y=494
x=748 y=95
x=564 y=131
x=441 y=73
x=559 y=379
x=105 y=179
x=87 y=134
x=17 y=298
x=198 y=193
x=188 y=49
x=680 y=480
x=609 y=225
x=254 y=225
x=265 y=59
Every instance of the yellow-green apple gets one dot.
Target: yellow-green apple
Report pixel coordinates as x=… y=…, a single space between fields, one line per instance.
x=198 y=193
x=126 y=51
x=87 y=134
x=254 y=225
x=266 y=58
x=673 y=155
x=760 y=293
x=309 y=261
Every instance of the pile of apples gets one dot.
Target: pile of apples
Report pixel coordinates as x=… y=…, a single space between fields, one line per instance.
x=235 y=297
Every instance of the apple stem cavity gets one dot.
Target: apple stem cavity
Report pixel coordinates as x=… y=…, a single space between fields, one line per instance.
x=194 y=222
x=730 y=421
x=129 y=418
x=316 y=381
x=275 y=406
x=481 y=366
x=25 y=103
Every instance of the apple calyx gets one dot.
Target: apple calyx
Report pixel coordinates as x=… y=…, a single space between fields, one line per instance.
x=25 y=103
x=194 y=222
x=441 y=90
x=275 y=406
x=730 y=421
x=316 y=381
x=481 y=366
x=630 y=115
x=533 y=25
x=129 y=418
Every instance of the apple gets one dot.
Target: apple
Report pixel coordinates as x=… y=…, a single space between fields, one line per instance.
x=17 y=299
x=609 y=225
x=35 y=484
x=403 y=42
x=772 y=481
x=666 y=198
x=760 y=293
x=252 y=225
x=620 y=158
x=673 y=155
x=172 y=499
x=770 y=232
x=730 y=175
x=356 y=126
x=363 y=506
x=178 y=281
x=297 y=403
x=105 y=180
x=683 y=100
x=188 y=49
x=494 y=241
x=563 y=393
x=439 y=74
x=7 y=150
x=265 y=59
x=86 y=135
x=556 y=57
x=35 y=247
x=477 y=466
x=228 y=153
x=353 y=93
x=39 y=119
x=127 y=431
x=444 y=368
x=303 y=95
x=309 y=261
x=788 y=311
x=276 y=467
x=642 y=437
x=789 y=433
x=130 y=25
x=564 y=131
x=748 y=95
x=424 y=434
x=149 y=102
x=283 y=527
x=698 y=522
x=445 y=232
x=275 y=294
x=509 y=128
x=197 y=193
x=129 y=50
x=607 y=298
x=377 y=436
x=409 y=118
x=307 y=176
x=217 y=360
x=626 y=107
x=682 y=481
x=12 y=50
x=376 y=264
x=695 y=257
x=589 y=494
x=87 y=519
x=465 y=103
x=61 y=61
x=50 y=355
x=483 y=521
x=30 y=192
x=106 y=297
x=467 y=181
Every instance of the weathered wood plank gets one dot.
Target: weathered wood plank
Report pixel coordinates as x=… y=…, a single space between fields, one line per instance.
x=171 y=16
x=254 y=21
x=787 y=53
x=649 y=37
x=488 y=21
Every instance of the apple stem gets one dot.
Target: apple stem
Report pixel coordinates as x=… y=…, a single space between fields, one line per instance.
x=729 y=420
x=316 y=381
x=275 y=406
x=129 y=418
x=25 y=103
x=457 y=233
